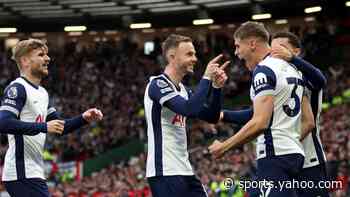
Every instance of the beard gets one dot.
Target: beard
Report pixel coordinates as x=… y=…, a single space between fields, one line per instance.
x=183 y=68
x=40 y=72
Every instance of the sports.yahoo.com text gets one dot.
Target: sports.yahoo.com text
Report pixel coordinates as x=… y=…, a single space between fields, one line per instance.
x=281 y=185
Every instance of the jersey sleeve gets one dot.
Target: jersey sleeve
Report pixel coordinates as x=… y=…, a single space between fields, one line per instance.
x=160 y=90
x=52 y=112
x=240 y=117
x=50 y=107
x=14 y=99
x=264 y=81
x=312 y=74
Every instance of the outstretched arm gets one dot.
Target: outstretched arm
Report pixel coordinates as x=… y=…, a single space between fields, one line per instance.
x=76 y=122
x=239 y=117
x=263 y=108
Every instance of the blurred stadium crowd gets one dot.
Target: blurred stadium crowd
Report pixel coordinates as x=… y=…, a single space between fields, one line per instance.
x=112 y=76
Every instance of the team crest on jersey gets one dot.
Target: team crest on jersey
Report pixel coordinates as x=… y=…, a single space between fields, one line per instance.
x=161 y=83
x=260 y=81
x=12 y=93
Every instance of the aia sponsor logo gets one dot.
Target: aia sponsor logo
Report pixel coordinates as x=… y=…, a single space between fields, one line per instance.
x=179 y=120
x=39 y=118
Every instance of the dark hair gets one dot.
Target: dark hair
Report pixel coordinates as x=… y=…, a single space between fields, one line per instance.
x=292 y=38
x=252 y=29
x=173 y=41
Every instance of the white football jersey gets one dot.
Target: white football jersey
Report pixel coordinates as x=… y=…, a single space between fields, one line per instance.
x=314 y=153
x=30 y=103
x=166 y=130
x=281 y=80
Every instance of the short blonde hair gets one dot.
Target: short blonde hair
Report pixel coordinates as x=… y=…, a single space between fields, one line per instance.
x=252 y=29
x=24 y=47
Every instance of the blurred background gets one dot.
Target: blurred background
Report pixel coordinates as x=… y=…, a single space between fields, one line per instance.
x=104 y=51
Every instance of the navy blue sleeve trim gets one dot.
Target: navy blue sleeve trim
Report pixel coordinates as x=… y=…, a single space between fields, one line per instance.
x=50 y=104
x=211 y=112
x=10 y=125
x=160 y=90
x=263 y=79
x=70 y=124
x=14 y=98
x=191 y=107
x=53 y=116
x=240 y=117
x=73 y=124
x=312 y=74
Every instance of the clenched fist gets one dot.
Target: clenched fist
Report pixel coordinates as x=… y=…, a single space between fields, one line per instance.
x=55 y=126
x=217 y=149
x=92 y=114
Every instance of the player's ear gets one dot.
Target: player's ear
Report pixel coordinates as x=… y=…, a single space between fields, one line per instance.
x=297 y=51
x=171 y=54
x=24 y=60
x=252 y=44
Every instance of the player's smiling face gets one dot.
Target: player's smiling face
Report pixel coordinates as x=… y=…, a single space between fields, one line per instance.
x=39 y=61
x=185 y=57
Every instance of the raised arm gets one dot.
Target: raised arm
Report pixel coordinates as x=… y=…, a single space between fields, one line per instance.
x=211 y=112
x=312 y=74
x=160 y=90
